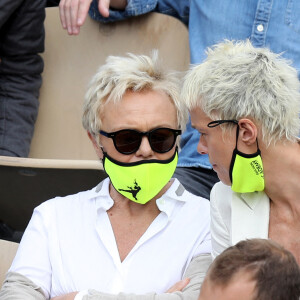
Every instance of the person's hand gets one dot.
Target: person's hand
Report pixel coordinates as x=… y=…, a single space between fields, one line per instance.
x=69 y=296
x=73 y=13
x=179 y=286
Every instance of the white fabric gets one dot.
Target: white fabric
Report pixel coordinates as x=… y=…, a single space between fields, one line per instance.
x=236 y=217
x=69 y=244
x=80 y=295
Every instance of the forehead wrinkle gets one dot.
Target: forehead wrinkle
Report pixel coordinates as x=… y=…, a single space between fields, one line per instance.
x=137 y=111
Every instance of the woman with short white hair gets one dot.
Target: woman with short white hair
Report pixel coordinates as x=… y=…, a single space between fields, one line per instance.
x=245 y=102
x=137 y=233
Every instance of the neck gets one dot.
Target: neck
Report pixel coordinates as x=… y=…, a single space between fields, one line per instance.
x=282 y=174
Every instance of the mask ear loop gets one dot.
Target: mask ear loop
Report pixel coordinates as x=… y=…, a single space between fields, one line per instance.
x=103 y=153
x=257 y=145
x=234 y=153
x=237 y=135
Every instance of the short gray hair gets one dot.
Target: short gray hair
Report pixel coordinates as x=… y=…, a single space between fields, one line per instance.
x=239 y=81
x=135 y=73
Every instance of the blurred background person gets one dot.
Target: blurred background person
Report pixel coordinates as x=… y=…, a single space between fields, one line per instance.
x=254 y=269
x=21 y=40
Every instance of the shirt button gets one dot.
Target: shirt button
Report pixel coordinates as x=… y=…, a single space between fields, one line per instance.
x=260 y=27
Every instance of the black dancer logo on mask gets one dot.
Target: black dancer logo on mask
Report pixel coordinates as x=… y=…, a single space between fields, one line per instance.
x=133 y=190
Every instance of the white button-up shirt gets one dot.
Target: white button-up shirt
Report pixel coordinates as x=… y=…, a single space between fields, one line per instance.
x=69 y=244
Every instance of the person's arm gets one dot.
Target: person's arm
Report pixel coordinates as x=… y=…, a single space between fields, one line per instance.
x=18 y=287
x=74 y=12
x=31 y=267
x=195 y=272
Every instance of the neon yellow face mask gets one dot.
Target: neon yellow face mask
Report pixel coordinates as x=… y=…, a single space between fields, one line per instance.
x=246 y=171
x=140 y=181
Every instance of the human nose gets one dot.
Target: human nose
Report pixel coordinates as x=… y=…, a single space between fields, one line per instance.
x=145 y=149
x=202 y=147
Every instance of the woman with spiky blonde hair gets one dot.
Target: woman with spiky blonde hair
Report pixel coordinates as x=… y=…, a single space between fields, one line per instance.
x=245 y=102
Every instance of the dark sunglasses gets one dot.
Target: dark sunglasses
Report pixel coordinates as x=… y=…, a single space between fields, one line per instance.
x=128 y=141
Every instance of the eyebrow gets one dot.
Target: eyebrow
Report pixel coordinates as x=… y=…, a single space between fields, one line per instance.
x=199 y=128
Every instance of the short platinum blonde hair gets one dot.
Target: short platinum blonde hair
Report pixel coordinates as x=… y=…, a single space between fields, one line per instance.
x=239 y=81
x=136 y=73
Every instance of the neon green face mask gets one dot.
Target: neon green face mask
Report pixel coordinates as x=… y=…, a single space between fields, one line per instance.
x=140 y=181
x=246 y=171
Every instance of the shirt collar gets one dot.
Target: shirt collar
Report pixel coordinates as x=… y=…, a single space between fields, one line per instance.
x=252 y=199
x=169 y=200
x=103 y=201
x=166 y=203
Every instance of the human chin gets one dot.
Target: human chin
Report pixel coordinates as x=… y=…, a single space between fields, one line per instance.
x=223 y=175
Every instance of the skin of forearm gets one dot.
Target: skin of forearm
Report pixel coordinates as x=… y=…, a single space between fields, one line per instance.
x=118 y=4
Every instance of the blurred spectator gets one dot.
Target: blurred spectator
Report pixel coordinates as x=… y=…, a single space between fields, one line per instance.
x=254 y=269
x=21 y=39
x=52 y=3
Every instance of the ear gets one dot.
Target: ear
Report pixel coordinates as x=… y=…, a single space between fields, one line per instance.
x=247 y=132
x=95 y=145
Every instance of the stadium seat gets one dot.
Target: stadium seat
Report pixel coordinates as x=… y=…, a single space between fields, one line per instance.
x=7 y=253
x=27 y=182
